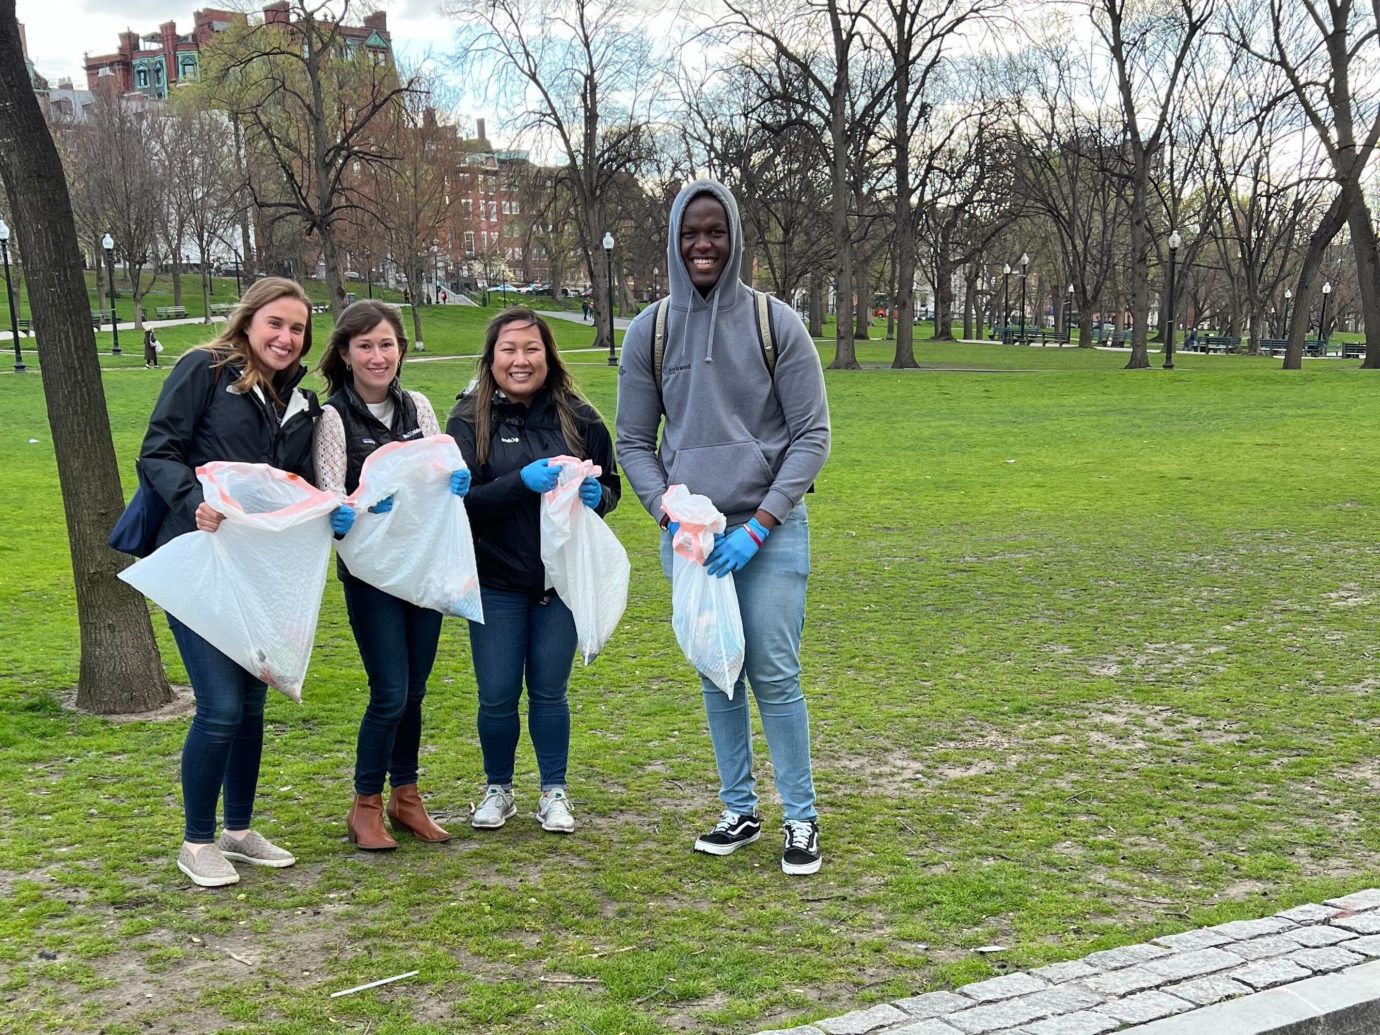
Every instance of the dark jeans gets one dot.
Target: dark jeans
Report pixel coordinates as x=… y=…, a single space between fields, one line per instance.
x=397 y=642
x=535 y=637
x=225 y=741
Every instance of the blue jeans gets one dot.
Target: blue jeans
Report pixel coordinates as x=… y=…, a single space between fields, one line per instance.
x=529 y=636
x=226 y=739
x=771 y=597
x=397 y=643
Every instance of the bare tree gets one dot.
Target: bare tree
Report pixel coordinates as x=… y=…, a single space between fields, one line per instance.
x=1150 y=48
x=827 y=46
x=120 y=667
x=200 y=171
x=307 y=99
x=1327 y=53
x=581 y=78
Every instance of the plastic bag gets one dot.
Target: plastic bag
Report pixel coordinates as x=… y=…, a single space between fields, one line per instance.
x=704 y=607
x=253 y=587
x=422 y=550
x=585 y=562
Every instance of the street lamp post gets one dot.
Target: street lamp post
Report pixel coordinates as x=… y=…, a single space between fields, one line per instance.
x=1288 y=297
x=1174 y=241
x=608 y=259
x=1068 y=316
x=1005 y=301
x=108 y=243
x=1025 y=262
x=19 y=367
x=1322 y=319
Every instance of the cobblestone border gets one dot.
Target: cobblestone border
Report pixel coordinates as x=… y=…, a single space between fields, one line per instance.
x=1111 y=990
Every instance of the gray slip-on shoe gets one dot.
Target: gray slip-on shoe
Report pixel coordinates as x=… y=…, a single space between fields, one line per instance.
x=256 y=849
x=206 y=867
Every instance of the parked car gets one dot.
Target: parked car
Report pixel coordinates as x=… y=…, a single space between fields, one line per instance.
x=352 y=275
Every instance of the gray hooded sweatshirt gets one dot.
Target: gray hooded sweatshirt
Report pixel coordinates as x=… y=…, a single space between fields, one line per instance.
x=732 y=431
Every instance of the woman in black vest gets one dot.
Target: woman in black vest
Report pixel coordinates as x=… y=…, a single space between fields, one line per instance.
x=522 y=409
x=367 y=408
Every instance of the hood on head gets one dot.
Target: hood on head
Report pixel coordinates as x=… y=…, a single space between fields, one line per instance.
x=678 y=277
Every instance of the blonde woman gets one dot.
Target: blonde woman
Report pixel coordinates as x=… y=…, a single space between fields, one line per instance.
x=236 y=398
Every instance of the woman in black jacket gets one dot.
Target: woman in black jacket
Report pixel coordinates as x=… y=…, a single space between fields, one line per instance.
x=368 y=408
x=234 y=399
x=523 y=409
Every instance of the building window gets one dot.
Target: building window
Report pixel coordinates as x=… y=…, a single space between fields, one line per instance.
x=143 y=77
x=188 y=69
x=515 y=212
x=493 y=212
x=467 y=206
x=469 y=242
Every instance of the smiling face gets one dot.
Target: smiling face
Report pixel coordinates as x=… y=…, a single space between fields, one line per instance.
x=519 y=363
x=276 y=333
x=704 y=241
x=373 y=358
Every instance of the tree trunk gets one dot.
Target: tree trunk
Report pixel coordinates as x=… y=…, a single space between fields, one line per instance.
x=120 y=667
x=1140 y=250
x=943 y=292
x=176 y=282
x=816 y=306
x=1304 y=292
x=845 y=356
x=1367 y=267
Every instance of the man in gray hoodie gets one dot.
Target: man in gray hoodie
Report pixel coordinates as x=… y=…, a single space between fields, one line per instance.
x=751 y=435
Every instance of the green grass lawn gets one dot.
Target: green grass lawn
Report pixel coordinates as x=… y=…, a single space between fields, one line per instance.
x=1089 y=659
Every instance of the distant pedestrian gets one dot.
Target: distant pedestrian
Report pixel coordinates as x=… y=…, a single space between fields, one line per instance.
x=152 y=346
x=441 y=295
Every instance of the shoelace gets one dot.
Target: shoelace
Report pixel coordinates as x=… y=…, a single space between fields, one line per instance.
x=798 y=834
x=727 y=821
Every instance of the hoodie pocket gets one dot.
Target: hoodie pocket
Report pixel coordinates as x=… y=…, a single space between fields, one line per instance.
x=735 y=475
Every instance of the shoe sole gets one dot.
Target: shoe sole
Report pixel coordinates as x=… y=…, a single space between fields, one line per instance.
x=277 y=864
x=509 y=814
x=556 y=830
x=709 y=848
x=801 y=869
x=207 y=882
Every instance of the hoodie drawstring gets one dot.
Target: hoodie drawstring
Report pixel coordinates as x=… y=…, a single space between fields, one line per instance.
x=713 y=319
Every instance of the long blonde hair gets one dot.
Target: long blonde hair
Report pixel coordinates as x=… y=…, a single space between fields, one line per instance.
x=231 y=345
x=478 y=401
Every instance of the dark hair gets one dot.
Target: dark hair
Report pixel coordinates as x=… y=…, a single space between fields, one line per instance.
x=231 y=345
x=358 y=318
x=563 y=391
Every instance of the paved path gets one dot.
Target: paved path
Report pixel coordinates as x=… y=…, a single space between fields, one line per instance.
x=1176 y=976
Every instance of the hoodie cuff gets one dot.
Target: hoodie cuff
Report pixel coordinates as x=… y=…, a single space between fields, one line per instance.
x=778 y=505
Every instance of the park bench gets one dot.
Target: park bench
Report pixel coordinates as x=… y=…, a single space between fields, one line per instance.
x=1045 y=336
x=221 y=308
x=1100 y=337
x=170 y=312
x=1273 y=346
x=1353 y=350
x=26 y=326
x=100 y=316
x=1223 y=343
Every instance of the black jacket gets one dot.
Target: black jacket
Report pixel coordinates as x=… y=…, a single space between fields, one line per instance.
x=200 y=417
x=505 y=515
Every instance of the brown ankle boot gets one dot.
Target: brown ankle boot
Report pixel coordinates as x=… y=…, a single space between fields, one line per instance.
x=406 y=811
x=365 y=824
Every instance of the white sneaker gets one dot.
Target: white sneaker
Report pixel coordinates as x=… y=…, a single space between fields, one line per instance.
x=554 y=813
x=207 y=867
x=495 y=810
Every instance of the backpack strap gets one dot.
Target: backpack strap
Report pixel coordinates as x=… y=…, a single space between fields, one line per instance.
x=764 y=336
x=659 y=342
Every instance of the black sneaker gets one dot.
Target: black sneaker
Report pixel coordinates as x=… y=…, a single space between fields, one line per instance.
x=801 y=854
x=729 y=834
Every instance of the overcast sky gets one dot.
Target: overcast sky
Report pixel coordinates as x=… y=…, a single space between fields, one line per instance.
x=60 y=32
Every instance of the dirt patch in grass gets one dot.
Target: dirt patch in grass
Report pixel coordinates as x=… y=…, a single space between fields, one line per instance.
x=183 y=703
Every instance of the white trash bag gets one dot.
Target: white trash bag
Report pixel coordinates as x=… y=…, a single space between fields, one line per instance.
x=253 y=587
x=585 y=563
x=704 y=607
x=422 y=550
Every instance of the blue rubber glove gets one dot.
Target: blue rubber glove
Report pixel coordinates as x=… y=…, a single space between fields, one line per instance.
x=672 y=527
x=383 y=506
x=734 y=551
x=540 y=476
x=591 y=492
x=342 y=520
x=460 y=482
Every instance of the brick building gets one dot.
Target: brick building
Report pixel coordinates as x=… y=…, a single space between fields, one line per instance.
x=155 y=62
